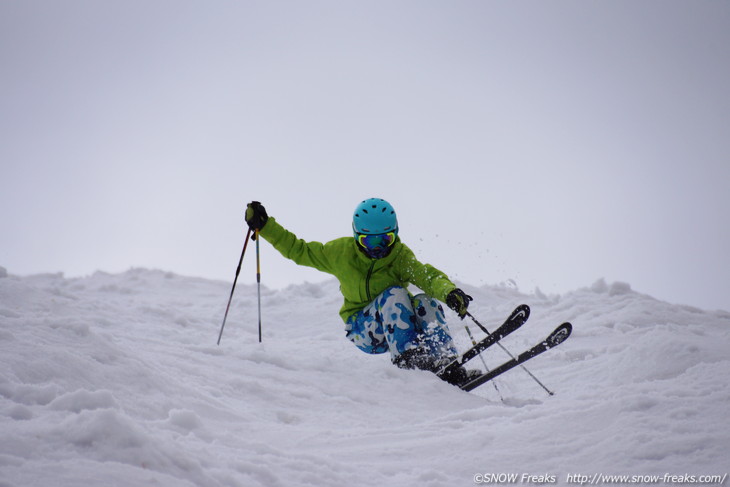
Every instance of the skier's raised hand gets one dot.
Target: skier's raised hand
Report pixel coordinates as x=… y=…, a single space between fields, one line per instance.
x=256 y=216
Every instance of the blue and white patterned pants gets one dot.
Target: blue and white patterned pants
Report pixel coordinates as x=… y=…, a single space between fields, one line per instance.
x=396 y=321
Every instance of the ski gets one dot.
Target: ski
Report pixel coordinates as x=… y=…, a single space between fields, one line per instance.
x=516 y=319
x=557 y=337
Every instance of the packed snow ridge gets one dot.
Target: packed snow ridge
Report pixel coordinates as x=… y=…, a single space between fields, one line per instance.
x=116 y=380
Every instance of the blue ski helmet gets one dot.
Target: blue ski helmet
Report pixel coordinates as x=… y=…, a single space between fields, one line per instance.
x=374 y=216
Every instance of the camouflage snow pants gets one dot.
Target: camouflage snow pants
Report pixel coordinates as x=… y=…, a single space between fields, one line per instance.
x=396 y=321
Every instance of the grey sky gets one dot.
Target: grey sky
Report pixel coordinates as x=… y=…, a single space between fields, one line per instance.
x=552 y=143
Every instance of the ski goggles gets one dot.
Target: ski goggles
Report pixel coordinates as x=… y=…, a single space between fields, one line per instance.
x=380 y=240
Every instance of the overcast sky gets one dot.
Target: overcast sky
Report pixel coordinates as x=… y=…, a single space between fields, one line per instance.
x=548 y=143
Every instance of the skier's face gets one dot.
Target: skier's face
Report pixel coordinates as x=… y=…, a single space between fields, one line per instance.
x=376 y=246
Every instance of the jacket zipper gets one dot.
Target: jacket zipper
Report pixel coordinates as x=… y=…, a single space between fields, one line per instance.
x=367 y=282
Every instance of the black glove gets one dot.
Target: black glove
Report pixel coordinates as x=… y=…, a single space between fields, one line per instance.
x=458 y=300
x=256 y=216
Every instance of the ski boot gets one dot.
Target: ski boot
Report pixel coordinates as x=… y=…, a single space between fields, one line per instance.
x=419 y=359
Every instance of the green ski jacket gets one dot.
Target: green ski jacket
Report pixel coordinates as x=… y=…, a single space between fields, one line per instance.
x=361 y=278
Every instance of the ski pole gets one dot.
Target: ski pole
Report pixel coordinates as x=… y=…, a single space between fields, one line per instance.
x=258 y=277
x=238 y=271
x=511 y=356
x=474 y=342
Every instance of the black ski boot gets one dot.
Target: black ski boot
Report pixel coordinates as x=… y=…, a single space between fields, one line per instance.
x=460 y=375
x=417 y=358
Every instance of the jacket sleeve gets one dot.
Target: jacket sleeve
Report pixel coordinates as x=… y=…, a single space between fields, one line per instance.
x=310 y=254
x=429 y=279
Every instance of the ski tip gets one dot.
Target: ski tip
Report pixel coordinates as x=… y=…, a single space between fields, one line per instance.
x=521 y=313
x=560 y=334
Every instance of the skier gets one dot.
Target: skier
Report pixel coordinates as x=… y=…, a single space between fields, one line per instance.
x=374 y=270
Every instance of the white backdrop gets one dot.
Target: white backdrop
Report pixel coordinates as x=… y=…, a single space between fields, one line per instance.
x=548 y=143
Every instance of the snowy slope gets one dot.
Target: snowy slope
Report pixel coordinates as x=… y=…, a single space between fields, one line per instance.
x=116 y=380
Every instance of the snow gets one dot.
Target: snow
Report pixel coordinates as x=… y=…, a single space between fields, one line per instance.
x=116 y=380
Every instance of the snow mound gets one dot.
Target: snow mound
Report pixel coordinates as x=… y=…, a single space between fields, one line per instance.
x=116 y=380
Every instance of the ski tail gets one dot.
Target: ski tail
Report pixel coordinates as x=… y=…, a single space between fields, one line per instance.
x=558 y=336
